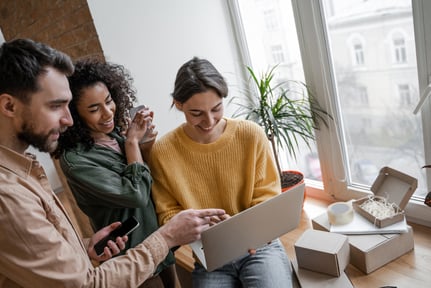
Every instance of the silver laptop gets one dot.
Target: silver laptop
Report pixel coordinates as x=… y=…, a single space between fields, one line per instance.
x=250 y=229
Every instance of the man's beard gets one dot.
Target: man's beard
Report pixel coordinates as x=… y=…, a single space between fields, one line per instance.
x=39 y=141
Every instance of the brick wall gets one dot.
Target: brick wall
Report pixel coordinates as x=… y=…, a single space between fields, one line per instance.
x=66 y=25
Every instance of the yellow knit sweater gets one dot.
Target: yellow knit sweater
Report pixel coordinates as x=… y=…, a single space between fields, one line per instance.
x=233 y=173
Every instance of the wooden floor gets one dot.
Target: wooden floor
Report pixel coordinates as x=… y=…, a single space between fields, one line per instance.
x=410 y=270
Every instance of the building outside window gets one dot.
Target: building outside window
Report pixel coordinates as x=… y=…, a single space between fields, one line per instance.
x=370 y=130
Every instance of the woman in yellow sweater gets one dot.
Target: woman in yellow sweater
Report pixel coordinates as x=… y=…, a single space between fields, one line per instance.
x=214 y=161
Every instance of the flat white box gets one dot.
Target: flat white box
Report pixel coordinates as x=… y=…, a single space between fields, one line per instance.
x=370 y=252
x=322 y=252
x=361 y=226
x=310 y=279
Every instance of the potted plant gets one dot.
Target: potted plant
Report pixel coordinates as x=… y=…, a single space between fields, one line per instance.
x=288 y=113
x=427 y=200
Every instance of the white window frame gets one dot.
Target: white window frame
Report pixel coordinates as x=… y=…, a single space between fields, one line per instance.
x=318 y=75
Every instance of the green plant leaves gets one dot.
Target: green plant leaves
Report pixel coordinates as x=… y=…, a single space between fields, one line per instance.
x=286 y=110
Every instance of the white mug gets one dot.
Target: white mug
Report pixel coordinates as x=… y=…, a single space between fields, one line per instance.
x=147 y=136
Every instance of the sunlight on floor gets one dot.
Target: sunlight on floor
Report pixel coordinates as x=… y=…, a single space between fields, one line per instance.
x=314 y=207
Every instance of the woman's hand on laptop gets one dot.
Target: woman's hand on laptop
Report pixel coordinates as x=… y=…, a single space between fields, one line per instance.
x=218 y=218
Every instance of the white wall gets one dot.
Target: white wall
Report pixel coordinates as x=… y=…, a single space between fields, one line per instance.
x=153 y=39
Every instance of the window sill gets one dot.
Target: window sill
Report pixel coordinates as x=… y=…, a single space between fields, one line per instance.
x=416 y=211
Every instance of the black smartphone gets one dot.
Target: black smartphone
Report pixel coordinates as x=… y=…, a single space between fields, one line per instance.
x=123 y=230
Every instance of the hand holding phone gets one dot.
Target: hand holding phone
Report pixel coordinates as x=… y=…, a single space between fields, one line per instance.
x=123 y=230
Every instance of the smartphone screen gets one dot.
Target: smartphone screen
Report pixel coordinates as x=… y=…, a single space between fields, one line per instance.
x=124 y=229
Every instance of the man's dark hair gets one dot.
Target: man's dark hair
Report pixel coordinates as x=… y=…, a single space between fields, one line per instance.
x=22 y=61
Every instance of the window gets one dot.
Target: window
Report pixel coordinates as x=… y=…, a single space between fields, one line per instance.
x=270 y=19
x=369 y=130
x=405 y=96
x=357 y=52
x=363 y=96
x=399 y=48
x=268 y=46
x=283 y=50
x=391 y=139
x=277 y=54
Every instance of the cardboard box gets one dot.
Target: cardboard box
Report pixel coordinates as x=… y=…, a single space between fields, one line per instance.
x=394 y=186
x=310 y=279
x=370 y=252
x=322 y=252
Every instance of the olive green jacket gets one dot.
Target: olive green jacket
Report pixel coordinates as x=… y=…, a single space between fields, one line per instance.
x=107 y=189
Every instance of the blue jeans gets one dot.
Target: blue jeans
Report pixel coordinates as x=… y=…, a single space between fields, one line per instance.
x=268 y=268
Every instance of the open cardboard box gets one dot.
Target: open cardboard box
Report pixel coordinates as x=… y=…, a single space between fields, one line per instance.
x=394 y=186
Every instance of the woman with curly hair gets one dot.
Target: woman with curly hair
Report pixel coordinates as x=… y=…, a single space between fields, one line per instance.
x=104 y=159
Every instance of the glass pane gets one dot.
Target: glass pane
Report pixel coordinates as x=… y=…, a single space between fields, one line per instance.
x=373 y=54
x=271 y=37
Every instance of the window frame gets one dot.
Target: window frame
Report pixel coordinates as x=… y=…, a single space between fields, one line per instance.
x=318 y=72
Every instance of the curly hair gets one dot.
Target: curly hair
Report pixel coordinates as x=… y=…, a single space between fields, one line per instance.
x=89 y=72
